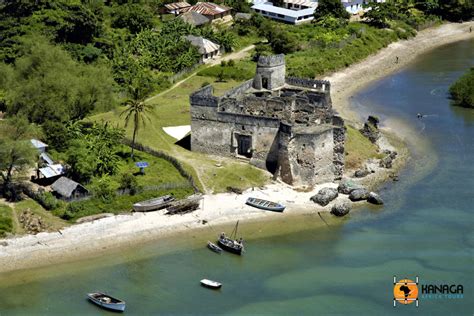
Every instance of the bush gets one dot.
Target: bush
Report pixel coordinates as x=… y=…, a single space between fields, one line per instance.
x=48 y=201
x=462 y=91
x=129 y=182
x=103 y=189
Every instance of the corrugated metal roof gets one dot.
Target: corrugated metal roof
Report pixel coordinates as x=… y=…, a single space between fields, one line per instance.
x=206 y=8
x=177 y=5
x=204 y=45
x=52 y=170
x=46 y=158
x=283 y=11
x=38 y=144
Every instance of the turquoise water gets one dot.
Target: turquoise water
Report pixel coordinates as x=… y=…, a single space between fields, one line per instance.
x=425 y=229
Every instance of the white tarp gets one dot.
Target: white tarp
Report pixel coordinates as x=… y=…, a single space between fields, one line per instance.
x=178 y=132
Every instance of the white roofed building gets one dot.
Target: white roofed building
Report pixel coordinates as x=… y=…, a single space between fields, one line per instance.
x=206 y=48
x=292 y=16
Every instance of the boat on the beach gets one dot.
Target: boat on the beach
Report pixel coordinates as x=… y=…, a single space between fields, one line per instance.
x=184 y=206
x=107 y=301
x=214 y=247
x=265 y=205
x=153 y=204
x=211 y=284
x=231 y=244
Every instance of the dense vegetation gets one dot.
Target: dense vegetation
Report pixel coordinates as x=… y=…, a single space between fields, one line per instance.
x=462 y=91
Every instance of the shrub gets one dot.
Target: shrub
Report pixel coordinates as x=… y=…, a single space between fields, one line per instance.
x=129 y=182
x=462 y=91
x=103 y=188
x=48 y=201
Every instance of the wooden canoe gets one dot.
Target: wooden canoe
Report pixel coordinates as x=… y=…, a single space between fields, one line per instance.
x=153 y=204
x=106 y=301
x=265 y=205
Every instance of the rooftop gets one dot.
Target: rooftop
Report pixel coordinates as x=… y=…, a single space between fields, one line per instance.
x=194 y=18
x=206 y=8
x=65 y=186
x=204 y=46
x=283 y=11
x=177 y=5
x=38 y=144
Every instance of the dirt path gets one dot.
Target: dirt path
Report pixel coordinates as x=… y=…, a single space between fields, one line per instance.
x=234 y=56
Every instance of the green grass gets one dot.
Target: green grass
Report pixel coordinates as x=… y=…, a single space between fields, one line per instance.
x=240 y=71
x=358 y=149
x=6 y=220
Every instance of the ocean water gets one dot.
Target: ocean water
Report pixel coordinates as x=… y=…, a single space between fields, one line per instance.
x=425 y=229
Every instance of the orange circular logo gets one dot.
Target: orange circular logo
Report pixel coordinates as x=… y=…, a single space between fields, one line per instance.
x=405 y=291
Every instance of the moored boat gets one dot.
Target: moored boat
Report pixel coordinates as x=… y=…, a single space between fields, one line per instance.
x=153 y=204
x=211 y=284
x=214 y=247
x=230 y=244
x=107 y=301
x=265 y=205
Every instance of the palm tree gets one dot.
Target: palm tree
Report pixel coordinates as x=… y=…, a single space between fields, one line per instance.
x=137 y=110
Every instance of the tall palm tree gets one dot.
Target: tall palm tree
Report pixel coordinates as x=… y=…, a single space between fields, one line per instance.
x=137 y=110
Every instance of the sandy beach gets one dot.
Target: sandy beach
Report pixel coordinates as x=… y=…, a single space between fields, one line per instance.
x=92 y=238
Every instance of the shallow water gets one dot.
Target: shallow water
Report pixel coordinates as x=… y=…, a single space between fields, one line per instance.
x=425 y=230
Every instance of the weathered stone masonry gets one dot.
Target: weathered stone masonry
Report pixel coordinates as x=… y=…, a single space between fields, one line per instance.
x=282 y=124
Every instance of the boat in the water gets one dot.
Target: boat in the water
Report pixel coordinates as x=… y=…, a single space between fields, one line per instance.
x=211 y=284
x=214 y=247
x=265 y=205
x=107 y=301
x=153 y=204
x=231 y=244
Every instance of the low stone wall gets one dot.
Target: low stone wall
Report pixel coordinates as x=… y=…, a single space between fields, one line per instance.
x=323 y=85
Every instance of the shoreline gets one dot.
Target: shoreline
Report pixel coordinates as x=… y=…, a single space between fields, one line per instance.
x=93 y=239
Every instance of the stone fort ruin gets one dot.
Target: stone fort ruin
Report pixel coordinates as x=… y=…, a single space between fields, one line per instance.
x=283 y=124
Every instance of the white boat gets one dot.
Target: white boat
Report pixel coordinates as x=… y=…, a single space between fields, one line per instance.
x=107 y=301
x=214 y=247
x=211 y=284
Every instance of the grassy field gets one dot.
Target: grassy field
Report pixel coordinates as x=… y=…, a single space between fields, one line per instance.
x=6 y=220
x=172 y=109
x=358 y=149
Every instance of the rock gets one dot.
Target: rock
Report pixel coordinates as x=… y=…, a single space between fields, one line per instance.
x=359 y=195
x=341 y=209
x=347 y=186
x=374 y=198
x=371 y=129
x=393 y=154
x=361 y=173
x=324 y=196
x=386 y=162
x=3 y=243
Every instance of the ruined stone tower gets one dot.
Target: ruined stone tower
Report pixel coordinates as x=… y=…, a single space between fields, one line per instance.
x=270 y=72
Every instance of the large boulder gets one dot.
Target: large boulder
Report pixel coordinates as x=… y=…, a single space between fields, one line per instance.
x=347 y=186
x=359 y=195
x=324 y=196
x=371 y=129
x=386 y=162
x=341 y=209
x=374 y=198
x=361 y=173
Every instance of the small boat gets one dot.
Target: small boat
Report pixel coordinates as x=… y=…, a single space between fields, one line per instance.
x=184 y=206
x=107 y=301
x=211 y=284
x=265 y=205
x=230 y=244
x=214 y=247
x=153 y=204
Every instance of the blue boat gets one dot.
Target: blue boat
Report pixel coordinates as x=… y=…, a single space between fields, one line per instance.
x=265 y=205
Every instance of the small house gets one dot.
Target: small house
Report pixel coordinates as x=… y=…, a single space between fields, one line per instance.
x=206 y=48
x=67 y=189
x=194 y=18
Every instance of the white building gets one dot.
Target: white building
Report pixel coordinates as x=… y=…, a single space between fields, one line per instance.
x=299 y=11
x=295 y=11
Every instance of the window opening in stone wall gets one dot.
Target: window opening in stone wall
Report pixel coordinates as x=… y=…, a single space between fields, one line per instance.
x=265 y=83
